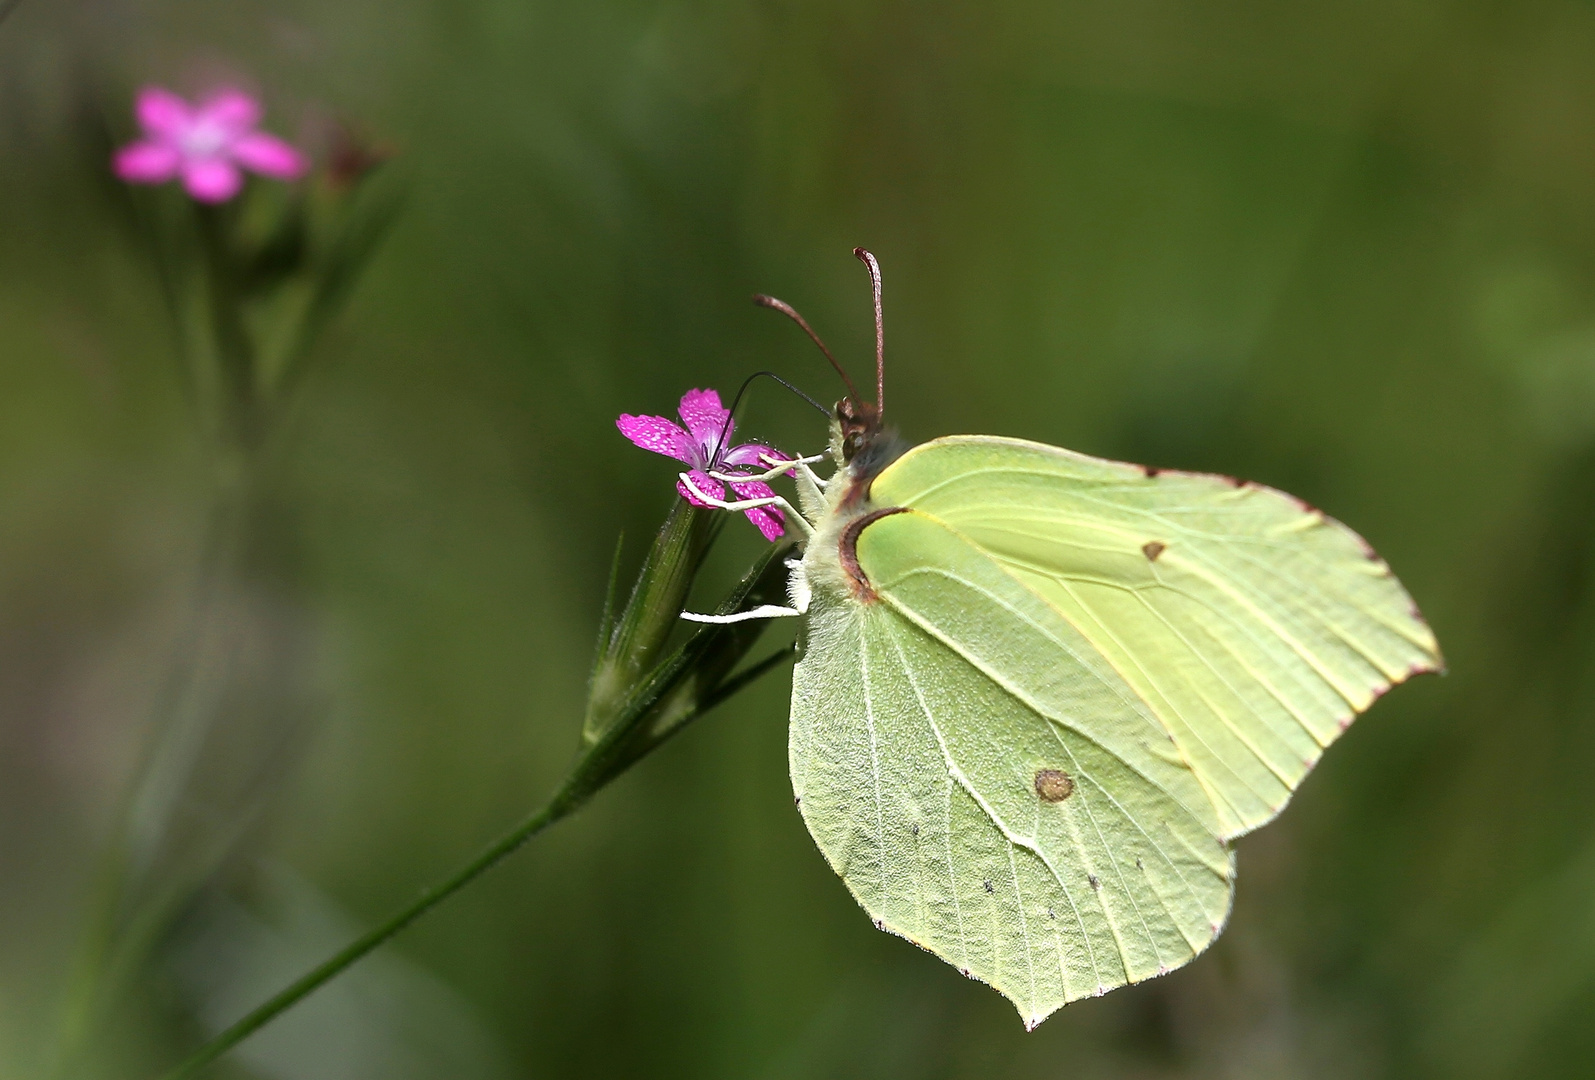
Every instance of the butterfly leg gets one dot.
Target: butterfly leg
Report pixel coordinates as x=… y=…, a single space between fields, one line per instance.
x=810 y=493
x=810 y=488
x=765 y=611
x=780 y=469
x=801 y=465
x=797 y=587
x=746 y=504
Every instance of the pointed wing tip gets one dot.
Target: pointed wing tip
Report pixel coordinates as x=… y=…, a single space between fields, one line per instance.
x=1033 y=1017
x=1434 y=659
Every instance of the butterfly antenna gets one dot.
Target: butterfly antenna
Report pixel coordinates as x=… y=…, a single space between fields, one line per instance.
x=880 y=328
x=790 y=312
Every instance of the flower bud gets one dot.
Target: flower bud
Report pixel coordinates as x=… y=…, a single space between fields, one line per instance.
x=628 y=647
x=638 y=713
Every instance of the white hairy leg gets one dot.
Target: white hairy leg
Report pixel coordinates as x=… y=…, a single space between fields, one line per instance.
x=802 y=467
x=797 y=588
x=746 y=504
x=780 y=468
x=766 y=611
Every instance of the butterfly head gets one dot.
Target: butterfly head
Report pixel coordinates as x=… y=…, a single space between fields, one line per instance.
x=854 y=427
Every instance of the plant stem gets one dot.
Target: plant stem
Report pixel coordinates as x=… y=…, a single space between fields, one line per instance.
x=126 y=914
x=599 y=763
x=658 y=707
x=558 y=807
x=235 y=350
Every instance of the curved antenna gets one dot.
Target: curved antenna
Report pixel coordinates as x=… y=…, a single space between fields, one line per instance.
x=737 y=400
x=880 y=329
x=790 y=312
x=772 y=375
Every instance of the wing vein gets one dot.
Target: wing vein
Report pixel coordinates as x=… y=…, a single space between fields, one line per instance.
x=1015 y=692
x=957 y=775
x=875 y=759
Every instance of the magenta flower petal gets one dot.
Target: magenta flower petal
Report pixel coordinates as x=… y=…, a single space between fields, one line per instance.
x=269 y=156
x=162 y=113
x=706 y=419
x=212 y=180
x=702 y=445
x=748 y=454
x=147 y=163
x=704 y=483
x=658 y=434
x=768 y=519
x=231 y=110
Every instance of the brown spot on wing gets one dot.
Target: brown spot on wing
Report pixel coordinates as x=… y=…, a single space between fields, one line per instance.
x=1053 y=785
x=1152 y=549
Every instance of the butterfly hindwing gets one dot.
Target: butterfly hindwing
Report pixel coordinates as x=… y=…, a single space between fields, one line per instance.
x=988 y=785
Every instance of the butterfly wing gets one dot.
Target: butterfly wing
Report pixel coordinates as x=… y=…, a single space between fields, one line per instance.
x=1252 y=626
x=1077 y=681
x=989 y=787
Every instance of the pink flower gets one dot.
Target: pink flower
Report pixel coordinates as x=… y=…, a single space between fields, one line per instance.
x=708 y=428
x=205 y=144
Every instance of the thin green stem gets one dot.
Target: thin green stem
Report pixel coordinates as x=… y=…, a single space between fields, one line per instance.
x=128 y=915
x=647 y=718
x=600 y=763
x=115 y=940
x=558 y=807
x=235 y=350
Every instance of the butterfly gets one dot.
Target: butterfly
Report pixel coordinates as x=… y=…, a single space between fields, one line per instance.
x=1041 y=694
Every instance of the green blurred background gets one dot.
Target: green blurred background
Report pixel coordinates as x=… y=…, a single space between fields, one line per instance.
x=1347 y=249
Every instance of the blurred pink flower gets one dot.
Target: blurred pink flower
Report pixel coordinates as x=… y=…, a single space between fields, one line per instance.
x=204 y=144
x=708 y=426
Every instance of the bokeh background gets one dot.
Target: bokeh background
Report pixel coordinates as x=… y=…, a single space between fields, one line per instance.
x=1347 y=249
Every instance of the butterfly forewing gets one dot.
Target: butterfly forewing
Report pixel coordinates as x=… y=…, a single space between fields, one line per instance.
x=1250 y=625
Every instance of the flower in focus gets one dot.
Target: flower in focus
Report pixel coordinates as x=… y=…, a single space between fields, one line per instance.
x=206 y=145
x=702 y=440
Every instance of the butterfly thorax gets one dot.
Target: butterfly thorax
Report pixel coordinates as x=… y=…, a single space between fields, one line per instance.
x=862 y=449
